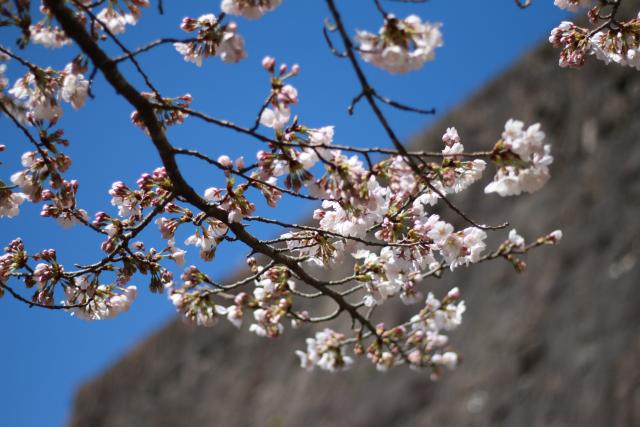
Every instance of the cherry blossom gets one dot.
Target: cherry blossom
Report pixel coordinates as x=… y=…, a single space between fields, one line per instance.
x=213 y=39
x=48 y=36
x=115 y=21
x=401 y=45
x=198 y=309
x=207 y=239
x=98 y=301
x=524 y=160
x=573 y=5
x=325 y=351
x=251 y=9
x=612 y=40
x=74 y=87
x=10 y=203
x=42 y=89
x=622 y=47
x=39 y=91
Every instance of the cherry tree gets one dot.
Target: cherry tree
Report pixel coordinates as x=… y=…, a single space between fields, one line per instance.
x=374 y=206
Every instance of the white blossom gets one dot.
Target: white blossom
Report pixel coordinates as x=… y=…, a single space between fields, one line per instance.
x=48 y=36
x=75 y=89
x=325 y=351
x=114 y=20
x=231 y=48
x=401 y=45
x=515 y=239
x=40 y=97
x=251 y=9
x=530 y=171
x=97 y=302
x=275 y=118
x=10 y=203
x=573 y=5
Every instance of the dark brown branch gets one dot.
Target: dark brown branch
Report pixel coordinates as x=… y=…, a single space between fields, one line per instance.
x=150 y=46
x=332 y=48
x=264 y=105
x=20 y=298
x=403 y=107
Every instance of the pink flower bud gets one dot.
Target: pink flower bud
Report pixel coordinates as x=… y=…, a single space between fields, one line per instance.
x=232 y=26
x=269 y=63
x=240 y=162
x=241 y=298
x=555 y=235
x=107 y=246
x=454 y=294
x=188 y=24
x=415 y=357
x=225 y=161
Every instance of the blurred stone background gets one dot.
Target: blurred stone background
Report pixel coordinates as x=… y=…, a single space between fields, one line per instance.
x=556 y=346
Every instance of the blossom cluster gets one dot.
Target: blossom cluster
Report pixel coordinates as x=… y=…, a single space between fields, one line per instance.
x=48 y=36
x=273 y=300
x=92 y=301
x=573 y=5
x=212 y=39
x=401 y=45
x=612 y=42
x=251 y=9
x=523 y=158
x=41 y=91
x=115 y=18
x=397 y=270
x=325 y=351
x=196 y=303
x=153 y=192
x=170 y=111
x=425 y=342
x=283 y=95
x=426 y=339
x=10 y=202
x=206 y=239
x=42 y=180
x=13 y=259
x=621 y=47
x=421 y=342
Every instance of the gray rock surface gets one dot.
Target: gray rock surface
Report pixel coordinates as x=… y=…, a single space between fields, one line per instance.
x=556 y=346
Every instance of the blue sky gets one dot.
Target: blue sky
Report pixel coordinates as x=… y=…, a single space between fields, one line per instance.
x=45 y=355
